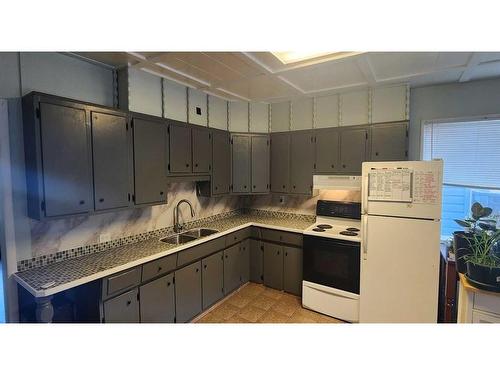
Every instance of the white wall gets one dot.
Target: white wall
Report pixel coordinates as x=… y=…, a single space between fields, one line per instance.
x=9 y=75
x=449 y=101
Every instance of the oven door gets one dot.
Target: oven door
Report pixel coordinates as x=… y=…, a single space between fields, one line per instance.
x=331 y=262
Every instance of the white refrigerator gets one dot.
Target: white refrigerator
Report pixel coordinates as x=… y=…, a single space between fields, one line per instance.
x=401 y=222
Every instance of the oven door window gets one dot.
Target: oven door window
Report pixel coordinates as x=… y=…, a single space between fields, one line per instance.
x=333 y=263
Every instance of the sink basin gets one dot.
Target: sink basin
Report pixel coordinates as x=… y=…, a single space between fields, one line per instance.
x=177 y=239
x=200 y=232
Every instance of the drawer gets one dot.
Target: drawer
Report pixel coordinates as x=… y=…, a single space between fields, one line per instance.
x=237 y=236
x=159 y=267
x=120 y=282
x=482 y=317
x=487 y=302
x=200 y=251
x=255 y=232
x=290 y=238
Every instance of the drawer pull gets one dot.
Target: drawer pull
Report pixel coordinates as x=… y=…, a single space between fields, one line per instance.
x=205 y=266
x=168 y=284
x=197 y=270
x=128 y=303
x=159 y=269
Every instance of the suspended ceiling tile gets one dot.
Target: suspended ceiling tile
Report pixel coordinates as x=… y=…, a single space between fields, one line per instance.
x=452 y=59
x=260 y=88
x=444 y=76
x=387 y=65
x=488 y=56
x=486 y=70
x=237 y=62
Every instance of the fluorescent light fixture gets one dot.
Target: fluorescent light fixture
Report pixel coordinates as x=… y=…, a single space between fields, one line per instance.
x=138 y=55
x=167 y=77
x=165 y=66
x=290 y=57
x=233 y=94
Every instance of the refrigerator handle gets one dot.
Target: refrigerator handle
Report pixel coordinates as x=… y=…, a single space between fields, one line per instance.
x=364 y=193
x=364 y=235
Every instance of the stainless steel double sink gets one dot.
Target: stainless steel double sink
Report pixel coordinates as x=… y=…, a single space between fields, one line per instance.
x=188 y=236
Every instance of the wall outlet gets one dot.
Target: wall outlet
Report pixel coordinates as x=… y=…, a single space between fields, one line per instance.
x=282 y=199
x=104 y=237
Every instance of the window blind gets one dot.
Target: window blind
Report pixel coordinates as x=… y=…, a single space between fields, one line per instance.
x=470 y=151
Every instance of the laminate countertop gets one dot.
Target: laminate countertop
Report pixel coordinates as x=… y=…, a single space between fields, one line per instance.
x=70 y=273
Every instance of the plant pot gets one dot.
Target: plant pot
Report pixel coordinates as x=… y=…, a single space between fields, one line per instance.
x=461 y=247
x=484 y=274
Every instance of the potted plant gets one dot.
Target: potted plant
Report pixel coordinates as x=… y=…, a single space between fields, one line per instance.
x=483 y=262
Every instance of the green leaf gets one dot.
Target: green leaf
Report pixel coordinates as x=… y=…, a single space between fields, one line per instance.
x=486 y=226
x=463 y=223
x=486 y=211
x=476 y=210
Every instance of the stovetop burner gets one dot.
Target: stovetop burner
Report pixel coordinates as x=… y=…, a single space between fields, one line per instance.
x=352 y=229
x=318 y=229
x=348 y=233
x=324 y=226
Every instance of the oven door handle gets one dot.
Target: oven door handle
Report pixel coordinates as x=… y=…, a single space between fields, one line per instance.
x=364 y=235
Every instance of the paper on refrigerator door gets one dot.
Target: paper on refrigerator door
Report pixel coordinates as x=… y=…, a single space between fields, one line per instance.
x=426 y=187
x=390 y=185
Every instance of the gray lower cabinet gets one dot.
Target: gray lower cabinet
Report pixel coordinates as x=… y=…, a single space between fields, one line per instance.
x=221 y=162
x=256 y=261
x=280 y=162
x=179 y=150
x=232 y=268
x=327 y=150
x=149 y=161
x=111 y=161
x=240 y=150
x=353 y=149
x=389 y=142
x=123 y=308
x=188 y=292
x=273 y=265
x=202 y=149
x=292 y=270
x=157 y=300
x=301 y=162
x=244 y=261
x=260 y=163
x=212 y=279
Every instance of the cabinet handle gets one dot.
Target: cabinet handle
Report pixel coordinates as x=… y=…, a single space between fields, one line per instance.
x=196 y=165
x=294 y=186
x=159 y=269
x=187 y=165
x=376 y=153
x=197 y=270
x=244 y=187
x=284 y=186
x=216 y=188
x=129 y=302
x=205 y=266
x=101 y=200
x=278 y=252
x=333 y=166
x=161 y=192
x=286 y=254
x=254 y=186
x=343 y=165
x=82 y=202
x=168 y=284
x=226 y=256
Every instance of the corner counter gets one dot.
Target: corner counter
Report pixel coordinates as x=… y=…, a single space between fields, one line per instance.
x=477 y=305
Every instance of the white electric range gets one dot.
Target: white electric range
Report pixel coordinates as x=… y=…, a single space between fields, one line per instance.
x=332 y=259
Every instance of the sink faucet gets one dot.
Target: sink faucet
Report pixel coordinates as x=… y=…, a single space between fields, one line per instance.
x=177 y=226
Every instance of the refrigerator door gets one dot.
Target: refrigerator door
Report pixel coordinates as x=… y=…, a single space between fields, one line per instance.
x=399 y=270
x=409 y=189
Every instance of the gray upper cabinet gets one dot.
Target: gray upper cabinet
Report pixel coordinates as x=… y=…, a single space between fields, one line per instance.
x=179 y=150
x=232 y=268
x=292 y=270
x=301 y=162
x=353 y=149
x=157 y=300
x=123 y=308
x=149 y=160
x=273 y=265
x=202 y=149
x=111 y=161
x=327 y=150
x=280 y=162
x=213 y=278
x=188 y=292
x=256 y=261
x=221 y=162
x=260 y=163
x=240 y=149
x=389 y=142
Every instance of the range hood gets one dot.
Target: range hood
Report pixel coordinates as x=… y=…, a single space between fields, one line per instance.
x=336 y=182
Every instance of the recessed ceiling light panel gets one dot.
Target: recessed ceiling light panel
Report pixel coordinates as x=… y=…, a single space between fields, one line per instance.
x=291 y=57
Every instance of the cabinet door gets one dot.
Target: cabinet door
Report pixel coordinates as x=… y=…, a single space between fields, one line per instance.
x=327 y=150
x=212 y=279
x=389 y=142
x=123 y=308
x=240 y=145
x=179 y=148
x=273 y=265
x=301 y=162
x=202 y=150
x=158 y=300
x=66 y=160
x=188 y=299
x=353 y=149
x=280 y=162
x=110 y=145
x=260 y=163
x=256 y=261
x=292 y=270
x=244 y=261
x=231 y=268
x=149 y=161
x=221 y=163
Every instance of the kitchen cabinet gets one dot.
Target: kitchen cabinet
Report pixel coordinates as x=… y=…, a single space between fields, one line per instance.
x=188 y=292
x=273 y=265
x=123 y=308
x=212 y=278
x=260 y=163
x=280 y=162
x=292 y=270
x=111 y=145
x=389 y=142
x=149 y=160
x=221 y=163
x=240 y=149
x=353 y=149
x=256 y=261
x=202 y=150
x=244 y=258
x=301 y=162
x=327 y=150
x=232 y=268
x=157 y=300
x=179 y=150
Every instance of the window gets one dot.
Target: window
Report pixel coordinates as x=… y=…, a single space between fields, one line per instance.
x=471 y=153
